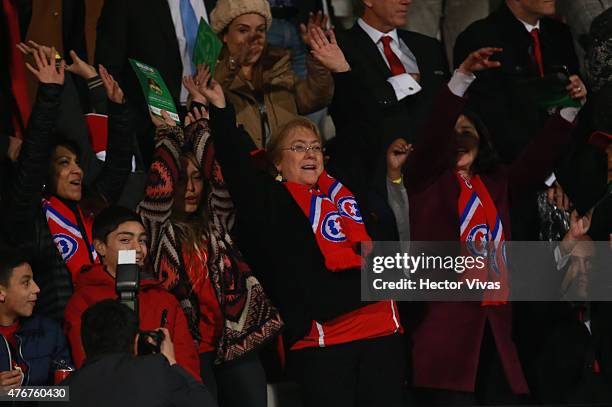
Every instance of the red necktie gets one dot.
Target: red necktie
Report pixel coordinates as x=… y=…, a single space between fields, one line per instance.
x=17 y=69
x=537 y=50
x=395 y=64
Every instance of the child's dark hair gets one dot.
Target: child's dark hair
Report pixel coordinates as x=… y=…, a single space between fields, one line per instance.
x=10 y=259
x=109 y=220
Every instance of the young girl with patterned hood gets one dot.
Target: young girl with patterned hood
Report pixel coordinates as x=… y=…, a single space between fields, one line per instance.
x=189 y=215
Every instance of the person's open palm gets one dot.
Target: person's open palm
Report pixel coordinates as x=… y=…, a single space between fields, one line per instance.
x=479 y=60
x=211 y=89
x=46 y=71
x=80 y=67
x=113 y=90
x=327 y=51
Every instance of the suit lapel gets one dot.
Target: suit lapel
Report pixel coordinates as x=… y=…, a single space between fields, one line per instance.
x=161 y=10
x=366 y=47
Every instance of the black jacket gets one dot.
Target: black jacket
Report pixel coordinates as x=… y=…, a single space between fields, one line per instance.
x=42 y=348
x=495 y=95
x=394 y=118
x=142 y=30
x=122 y=380
x=560 y=364
x=24 y=222
x=368 y=117
x=277 y=239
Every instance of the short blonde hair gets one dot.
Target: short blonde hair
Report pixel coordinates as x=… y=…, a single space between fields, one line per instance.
x=275 y=147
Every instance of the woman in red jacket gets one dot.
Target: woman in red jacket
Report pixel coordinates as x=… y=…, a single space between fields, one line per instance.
x=463 y=352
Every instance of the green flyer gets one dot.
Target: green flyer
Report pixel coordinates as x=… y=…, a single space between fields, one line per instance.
x=207 y=47
x=155 y=90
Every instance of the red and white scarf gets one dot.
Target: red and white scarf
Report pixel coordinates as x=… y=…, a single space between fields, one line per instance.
x=482 y=230
x=335 y=219
x=67 y=235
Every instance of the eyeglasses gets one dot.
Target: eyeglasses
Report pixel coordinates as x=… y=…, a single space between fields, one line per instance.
x=301 y=148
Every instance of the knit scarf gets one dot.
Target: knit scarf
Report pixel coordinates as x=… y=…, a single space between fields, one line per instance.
x=76 y=250
x=482 y=231
x=335 y=220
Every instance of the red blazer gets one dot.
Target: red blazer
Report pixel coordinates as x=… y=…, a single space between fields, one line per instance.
x=95 y=284
x=447 y=342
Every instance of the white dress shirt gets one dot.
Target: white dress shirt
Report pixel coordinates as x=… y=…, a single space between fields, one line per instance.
x=200 y=11
x=403 y=84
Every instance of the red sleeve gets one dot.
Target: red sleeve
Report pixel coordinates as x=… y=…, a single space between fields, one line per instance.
x=185 y=348
x=72 y=328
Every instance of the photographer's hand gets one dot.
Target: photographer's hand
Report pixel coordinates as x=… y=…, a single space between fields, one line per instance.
x=167 y=347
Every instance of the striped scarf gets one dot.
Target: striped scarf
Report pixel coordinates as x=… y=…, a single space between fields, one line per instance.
x=482 y=231
x=75 y=247
x=335 y=219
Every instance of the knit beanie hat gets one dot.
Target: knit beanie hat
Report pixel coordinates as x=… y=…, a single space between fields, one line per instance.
x=226 y=10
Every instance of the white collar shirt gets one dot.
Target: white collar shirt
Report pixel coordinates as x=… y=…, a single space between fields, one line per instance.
x=200 y=11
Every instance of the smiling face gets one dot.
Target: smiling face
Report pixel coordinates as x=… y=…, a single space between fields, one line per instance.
x=467 y=143
x=18 y=296
x=303 y=167
x=188 y=192
x=385 y=15
x=130 y=235
x=67 y=175
x=247 y=29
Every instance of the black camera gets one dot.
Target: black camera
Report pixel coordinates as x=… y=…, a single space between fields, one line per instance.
x=149 y=342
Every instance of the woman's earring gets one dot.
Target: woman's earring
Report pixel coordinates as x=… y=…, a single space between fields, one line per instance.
x=279 y=177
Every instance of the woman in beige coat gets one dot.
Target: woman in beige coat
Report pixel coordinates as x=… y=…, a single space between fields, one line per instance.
x=257 y=78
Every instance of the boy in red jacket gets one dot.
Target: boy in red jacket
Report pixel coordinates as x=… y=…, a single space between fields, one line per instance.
x=116 y=229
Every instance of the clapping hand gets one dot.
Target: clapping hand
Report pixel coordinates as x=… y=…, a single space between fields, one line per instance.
x=80 y=67
x=479 y=61
x=315 y=20
x=210 y=88
x=194 y=115
x=192 y=87
x=113 y=91
x=32 y=47
x=327 y=51
x=46 y=71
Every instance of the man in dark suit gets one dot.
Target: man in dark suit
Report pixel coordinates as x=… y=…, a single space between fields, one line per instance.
x=398 y=74
x=534 y=45
x=156 y=32
x=113 y=376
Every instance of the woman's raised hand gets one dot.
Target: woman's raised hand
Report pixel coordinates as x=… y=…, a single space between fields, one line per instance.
x=318 y=20
x=113 y=90
x=209 y=87
x=479 y=61
x=80 y=67
x=46 y=71
x=192 y=86
x=327 y=51
x=195 y=114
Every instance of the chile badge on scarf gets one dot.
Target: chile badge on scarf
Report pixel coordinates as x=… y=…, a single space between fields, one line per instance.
x=67 y=235
x=482 y=231
x=335 y=219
